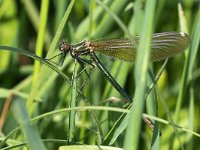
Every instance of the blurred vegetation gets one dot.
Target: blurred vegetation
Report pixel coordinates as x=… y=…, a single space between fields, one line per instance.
x=36 y=98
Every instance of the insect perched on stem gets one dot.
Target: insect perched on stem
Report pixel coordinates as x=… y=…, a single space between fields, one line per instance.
x=163 y=45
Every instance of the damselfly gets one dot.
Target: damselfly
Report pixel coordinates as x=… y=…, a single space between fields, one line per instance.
x=164 y=45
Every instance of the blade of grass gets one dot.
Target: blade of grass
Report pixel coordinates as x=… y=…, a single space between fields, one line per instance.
x=137 y=19
x=92 y=24
x=39 y=88
x=6 y=92
x=84 y=108
x=191 y=120
x=114 y=109
x=189 y=63
x=115 y=17
x=88 y=147
x=141 y=67
x=183 y=26
x=108 y=19
x=40 y=37
x=60 y=8
x=30 y=134
x=124 y=122
x=14 y=146
x=119 y=129
x=106 y=22
x=73 y=104
x=34 y=17
x=152 y=109
x=82 y=30
x=194 y=44
x=32 y=55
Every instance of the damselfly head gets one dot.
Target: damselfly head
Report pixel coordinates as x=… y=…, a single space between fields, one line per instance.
x=64 y=46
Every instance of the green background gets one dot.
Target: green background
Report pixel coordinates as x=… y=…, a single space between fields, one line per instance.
x=31 y=89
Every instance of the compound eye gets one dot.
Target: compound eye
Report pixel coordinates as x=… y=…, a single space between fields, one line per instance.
x=64 y=46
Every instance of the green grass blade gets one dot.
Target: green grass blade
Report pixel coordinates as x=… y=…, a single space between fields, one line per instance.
x=32 y=55
x=33 y=14
x=187 y=72
x=141 y=67
x=124 y=122
x=30 y=134
x=39 y=88
x=114 y=109
x=152 y=109
x=40 y=37
x=183 y=26
x=88 y=147
x=120 y=128
x=73 y=104
x=115 y=17
x=194 y=44
x=108 y=20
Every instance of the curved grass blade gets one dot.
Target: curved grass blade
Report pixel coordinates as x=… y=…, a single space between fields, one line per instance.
x=31 y=135
x=134 y=126
x=39 y=89
x=32 y=55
